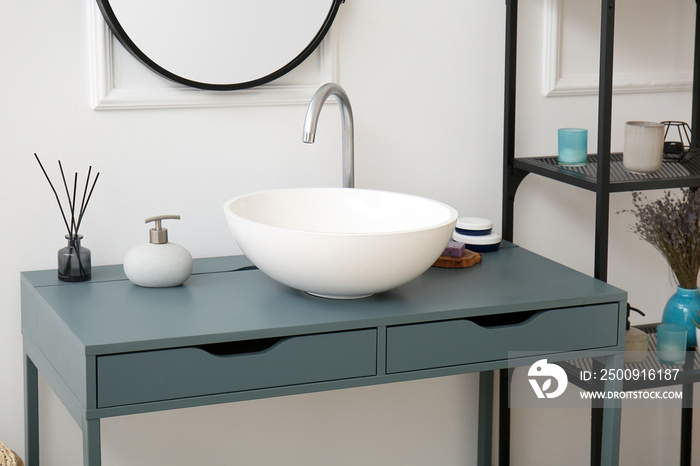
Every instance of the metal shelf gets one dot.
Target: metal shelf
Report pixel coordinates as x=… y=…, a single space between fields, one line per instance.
x=671 y=175
x=689 y=371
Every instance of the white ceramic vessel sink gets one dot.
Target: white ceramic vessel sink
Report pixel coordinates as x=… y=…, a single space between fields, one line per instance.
x=340 y=242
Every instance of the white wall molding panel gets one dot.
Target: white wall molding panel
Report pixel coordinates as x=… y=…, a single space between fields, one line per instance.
x=571 y=47
x=120 y=81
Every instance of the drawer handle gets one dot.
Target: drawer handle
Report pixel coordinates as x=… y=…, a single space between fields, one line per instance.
x=233 y=348
x=502 y=320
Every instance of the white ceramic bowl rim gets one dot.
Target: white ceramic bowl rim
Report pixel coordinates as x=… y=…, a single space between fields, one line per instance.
x=450 y=213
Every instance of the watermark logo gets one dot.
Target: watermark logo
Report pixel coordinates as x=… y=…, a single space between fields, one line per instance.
x=552 y=383
x=543 y=372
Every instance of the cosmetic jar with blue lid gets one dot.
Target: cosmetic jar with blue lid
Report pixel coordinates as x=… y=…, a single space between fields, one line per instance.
x=479 y=243
x=474 y=226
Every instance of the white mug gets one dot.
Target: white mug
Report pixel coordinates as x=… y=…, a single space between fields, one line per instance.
x=644 y=146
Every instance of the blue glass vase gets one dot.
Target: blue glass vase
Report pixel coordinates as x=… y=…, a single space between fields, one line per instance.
x=681 y=309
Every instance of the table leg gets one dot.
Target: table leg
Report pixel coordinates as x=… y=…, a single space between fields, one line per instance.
x=596 y=418
x=91 y=442
x=505 y=376
x=31 y=412
x=596 y=428
x=612 y=412
x=485 y=418
x=686 y=424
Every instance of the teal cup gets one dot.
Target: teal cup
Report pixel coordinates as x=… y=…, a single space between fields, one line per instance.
x=573 y=147
x=671 y=343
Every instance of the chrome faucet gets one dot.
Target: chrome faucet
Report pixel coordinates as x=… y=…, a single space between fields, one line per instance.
x=311 y=121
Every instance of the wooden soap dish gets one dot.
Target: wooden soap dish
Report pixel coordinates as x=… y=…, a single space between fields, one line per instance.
x=468 y=259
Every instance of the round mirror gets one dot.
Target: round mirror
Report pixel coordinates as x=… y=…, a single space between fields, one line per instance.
x=220 y=44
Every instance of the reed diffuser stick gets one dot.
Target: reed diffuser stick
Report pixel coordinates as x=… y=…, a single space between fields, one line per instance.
x=76 y=217
x=54 y=192
x=82 y=203
x=72 y=207
x=83 y=209
x=65 y=185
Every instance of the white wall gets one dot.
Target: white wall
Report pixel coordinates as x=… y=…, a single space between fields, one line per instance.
x=426 y=82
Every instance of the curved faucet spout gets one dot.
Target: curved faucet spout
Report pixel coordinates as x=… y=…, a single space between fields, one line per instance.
x=311 y=122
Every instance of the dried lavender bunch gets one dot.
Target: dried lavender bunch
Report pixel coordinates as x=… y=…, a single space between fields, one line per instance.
x=670 y=224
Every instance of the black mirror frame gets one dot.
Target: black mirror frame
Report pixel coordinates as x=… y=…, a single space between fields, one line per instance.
x=125 y=40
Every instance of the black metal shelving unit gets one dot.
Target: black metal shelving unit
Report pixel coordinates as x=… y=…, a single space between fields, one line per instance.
x=603 y=175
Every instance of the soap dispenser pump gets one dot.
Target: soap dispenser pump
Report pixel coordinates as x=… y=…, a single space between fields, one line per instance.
x=636 y=340
x=158 y=264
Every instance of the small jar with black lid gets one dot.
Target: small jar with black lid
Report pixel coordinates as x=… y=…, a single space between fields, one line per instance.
x=477 y=234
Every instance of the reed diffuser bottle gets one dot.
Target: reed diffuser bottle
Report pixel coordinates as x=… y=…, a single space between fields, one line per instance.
x=74 y=260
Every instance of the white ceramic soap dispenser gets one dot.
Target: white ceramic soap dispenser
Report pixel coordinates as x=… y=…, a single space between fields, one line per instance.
x=158 y=264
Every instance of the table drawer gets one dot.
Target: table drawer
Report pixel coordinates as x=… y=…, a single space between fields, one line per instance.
x=489 y=338
x=146 y=376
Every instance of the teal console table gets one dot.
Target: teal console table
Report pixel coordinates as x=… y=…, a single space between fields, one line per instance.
x=109 y=348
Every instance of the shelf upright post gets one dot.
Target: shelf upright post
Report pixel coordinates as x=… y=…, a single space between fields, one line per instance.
x=605 y=92
x=511 y=175
x=511 y=179
x=695 y=115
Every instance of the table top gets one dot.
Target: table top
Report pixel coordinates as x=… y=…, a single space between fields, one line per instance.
x=227 y=300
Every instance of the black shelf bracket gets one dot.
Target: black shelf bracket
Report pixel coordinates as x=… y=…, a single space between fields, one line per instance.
x=515 y=176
